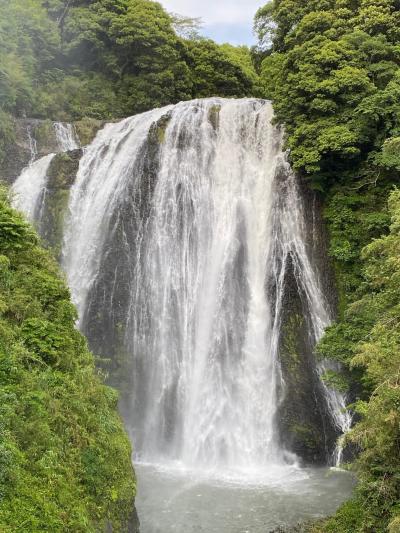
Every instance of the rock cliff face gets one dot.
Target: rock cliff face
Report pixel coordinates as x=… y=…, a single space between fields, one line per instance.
x=131 y=526
x=36 y=138
x=33 y=138
x=305 y=423
x=303 y=417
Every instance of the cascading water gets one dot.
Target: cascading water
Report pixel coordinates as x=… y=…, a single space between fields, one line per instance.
x=178 y=226
x=186 y=244
x=291 y=237
x=29 y=189
x=66 y=136
x=32 y=145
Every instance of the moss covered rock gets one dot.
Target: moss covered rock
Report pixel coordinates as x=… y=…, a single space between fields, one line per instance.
x=61 y=176
x=304 y=421
x=87 y=128
x=45 y=137
x=213 y=116
x=305 y=424
x=158 y=129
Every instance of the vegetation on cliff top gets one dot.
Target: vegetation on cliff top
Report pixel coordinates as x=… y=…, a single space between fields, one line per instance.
x=66 y=60
x=65 y=461
x=331 y=68
x=104 y=59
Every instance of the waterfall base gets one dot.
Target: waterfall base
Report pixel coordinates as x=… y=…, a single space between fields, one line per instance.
x=182 y=501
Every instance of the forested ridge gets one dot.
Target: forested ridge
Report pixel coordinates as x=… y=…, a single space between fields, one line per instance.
x=331 y=69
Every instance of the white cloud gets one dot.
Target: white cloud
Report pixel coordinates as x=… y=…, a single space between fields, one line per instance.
x=220 y=15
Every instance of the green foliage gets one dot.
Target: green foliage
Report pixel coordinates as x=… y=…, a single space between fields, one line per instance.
x=368 y=342
x=216 y=73
x=391 y=153
x=331 y=68
x=335 y=381
x=334 y=79
x=7 y=133
x=355 y=216
x=242 y=57
x=28 y=45
x=102 y=59
x=15 y=234
x=65 y=461
x=347 y=520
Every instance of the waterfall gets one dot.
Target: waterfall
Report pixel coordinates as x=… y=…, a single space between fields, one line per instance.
x=32 y=145
x=66 y=137
x=182 y=224
x=29 y=189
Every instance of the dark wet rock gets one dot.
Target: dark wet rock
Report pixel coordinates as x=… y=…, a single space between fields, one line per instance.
x=213 y=116
x=31 y=136
x=133 y=523
x=158 y=129
x=130 y=526
x=303 y=416
x=304 y=421
x=318 y=243
x=18 y=153
x=34 y=138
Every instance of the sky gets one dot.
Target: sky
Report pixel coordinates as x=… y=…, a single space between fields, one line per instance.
x=224 y=20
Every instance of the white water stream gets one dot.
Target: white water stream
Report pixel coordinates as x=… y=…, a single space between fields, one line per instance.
x=31 y=184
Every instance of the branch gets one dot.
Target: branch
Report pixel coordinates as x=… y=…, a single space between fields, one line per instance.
x=61 y=19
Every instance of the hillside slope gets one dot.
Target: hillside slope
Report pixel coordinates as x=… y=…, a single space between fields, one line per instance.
x=65 y=461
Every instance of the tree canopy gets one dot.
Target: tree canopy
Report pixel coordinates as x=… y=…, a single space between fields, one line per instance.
x=105 y=59
x=332 y=70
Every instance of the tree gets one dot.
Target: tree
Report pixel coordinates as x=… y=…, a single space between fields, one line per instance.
x=214 y=73
x=187 y=27
x=326 y=66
